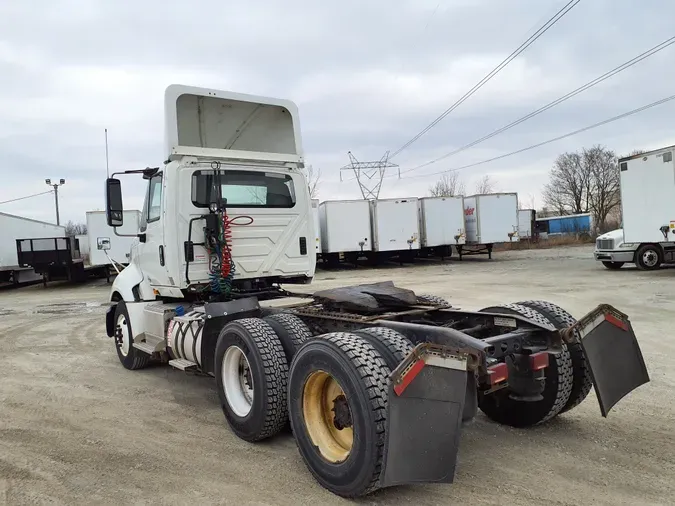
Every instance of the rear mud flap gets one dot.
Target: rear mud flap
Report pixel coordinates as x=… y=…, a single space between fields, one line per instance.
x=426 y=406
x=613 y=355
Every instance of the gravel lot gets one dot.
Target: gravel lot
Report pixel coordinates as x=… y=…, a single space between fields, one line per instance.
x=77 y=428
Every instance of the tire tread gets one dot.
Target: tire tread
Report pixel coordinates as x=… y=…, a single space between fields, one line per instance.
x=275 y=371
x=582 y=379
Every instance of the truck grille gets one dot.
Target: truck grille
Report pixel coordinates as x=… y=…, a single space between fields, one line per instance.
x=604 y=244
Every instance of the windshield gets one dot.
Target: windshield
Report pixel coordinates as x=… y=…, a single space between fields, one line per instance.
x=241 y=188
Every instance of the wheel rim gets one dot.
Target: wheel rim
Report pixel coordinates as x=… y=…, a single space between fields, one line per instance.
x=123 y=339
x=650 y=258
x=327 y=416
x=237 y=381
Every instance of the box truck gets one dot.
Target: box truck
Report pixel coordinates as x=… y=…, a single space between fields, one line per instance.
x=441 y=224
x=104 y=245
x=395 y=225
x=647 y=238
x=345 y=229
x=490 y=218
x=12 y=228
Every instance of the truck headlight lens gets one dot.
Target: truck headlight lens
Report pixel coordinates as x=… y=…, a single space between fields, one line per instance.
x=627 y=245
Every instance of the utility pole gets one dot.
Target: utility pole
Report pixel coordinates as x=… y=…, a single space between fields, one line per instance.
x=56 y=196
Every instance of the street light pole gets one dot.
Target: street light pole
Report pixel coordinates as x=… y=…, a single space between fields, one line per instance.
x=56 y=196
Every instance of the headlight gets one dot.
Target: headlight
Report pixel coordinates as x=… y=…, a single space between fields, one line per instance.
x=627 y=245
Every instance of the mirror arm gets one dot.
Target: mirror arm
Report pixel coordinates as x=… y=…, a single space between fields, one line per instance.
x=125 y=235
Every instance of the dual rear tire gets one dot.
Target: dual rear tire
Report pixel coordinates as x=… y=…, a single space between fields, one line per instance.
x=567 y=379
x=335 y=391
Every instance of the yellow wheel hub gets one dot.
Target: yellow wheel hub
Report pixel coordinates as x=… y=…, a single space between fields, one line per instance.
x=327 y=416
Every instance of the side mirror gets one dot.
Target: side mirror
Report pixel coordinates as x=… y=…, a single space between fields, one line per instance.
x=103 y=243
x=114 y=211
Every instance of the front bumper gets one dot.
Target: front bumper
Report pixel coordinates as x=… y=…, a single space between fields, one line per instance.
x=625 y=256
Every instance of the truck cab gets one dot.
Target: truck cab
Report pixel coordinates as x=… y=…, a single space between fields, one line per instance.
x=233 y=164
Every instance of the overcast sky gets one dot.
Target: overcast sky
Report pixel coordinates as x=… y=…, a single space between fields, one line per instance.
x=366 y=75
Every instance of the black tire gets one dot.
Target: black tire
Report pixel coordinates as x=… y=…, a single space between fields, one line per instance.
x=613 y=265
x=582 y=381
x=649 y=257
x=134 y=358
x=432 y=299
x=392 y=345
x=290 y=330
x=265 y=356
x=498 y=406
x=362 y=374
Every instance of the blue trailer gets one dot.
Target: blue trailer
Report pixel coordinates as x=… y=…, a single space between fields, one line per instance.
x=559 y=225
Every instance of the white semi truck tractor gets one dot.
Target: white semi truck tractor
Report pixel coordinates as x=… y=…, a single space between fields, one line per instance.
x=375 y=380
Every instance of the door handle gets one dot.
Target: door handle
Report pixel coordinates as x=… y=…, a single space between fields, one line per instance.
x=161 y=256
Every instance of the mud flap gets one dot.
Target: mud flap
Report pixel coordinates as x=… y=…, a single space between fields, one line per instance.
x=426 y=405
x=613 y=355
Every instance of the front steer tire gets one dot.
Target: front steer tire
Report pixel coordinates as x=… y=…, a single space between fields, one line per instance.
x=613 y=266
x=130 y=357
x=265 y=366
x=362 y=374
x=649 y=257
x=501 y=408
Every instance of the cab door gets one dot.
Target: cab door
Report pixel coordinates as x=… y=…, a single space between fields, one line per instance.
x=151 y=252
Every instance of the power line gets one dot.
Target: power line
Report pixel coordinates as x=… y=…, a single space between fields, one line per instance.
x=541 y=31
x=570 y=134
x=27 y=197
x=626 y=65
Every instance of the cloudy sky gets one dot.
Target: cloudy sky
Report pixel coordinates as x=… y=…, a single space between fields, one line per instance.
x=366 y=75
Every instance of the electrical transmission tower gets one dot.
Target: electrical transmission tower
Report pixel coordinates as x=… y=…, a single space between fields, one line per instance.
x=369 y=175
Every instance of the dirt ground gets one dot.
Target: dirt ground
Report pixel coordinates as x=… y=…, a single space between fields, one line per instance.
x=77 y=428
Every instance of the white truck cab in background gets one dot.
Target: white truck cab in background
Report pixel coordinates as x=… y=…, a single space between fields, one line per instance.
x=647 y=237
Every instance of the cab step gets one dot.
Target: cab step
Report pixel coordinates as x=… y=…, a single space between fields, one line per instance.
x=145 y=347
x=183 y=365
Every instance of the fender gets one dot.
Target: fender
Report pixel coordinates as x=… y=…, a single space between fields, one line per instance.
x=130 y=286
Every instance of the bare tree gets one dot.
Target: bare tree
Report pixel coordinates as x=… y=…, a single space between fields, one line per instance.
x=486 y=185
x=587 y=181
x=567 y=191
x=604 y=194
x=313 y=180
x=448 y=186
x=73 y=229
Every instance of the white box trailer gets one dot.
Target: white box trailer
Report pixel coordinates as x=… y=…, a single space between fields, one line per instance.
x=647 y=203
x=317 y=225
x=17 y=227
x=441 y=221
x=345 y=226
x=647 y=182
x=490 y=218
x=395 y=224
x=102 y=238
x=526 y=223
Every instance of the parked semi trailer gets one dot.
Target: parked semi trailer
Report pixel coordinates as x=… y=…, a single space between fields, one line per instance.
x=375 y=380
x=395 y=227
x=441 y=225
x=647 y=237
x=490 y=219
x=345 y=230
